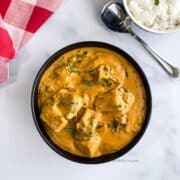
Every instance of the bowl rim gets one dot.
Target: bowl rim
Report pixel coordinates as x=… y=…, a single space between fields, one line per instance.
x=40 y=127
x=143 y=27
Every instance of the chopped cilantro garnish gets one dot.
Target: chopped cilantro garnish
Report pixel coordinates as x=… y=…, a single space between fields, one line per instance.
x=72 y=69
x=114 y=125
x=69 y=130
x=117 y=106
x=88 y=82
x=156 y=2
x=105 y=82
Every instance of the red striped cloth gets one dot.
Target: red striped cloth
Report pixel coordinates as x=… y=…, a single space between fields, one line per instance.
x=19 y=20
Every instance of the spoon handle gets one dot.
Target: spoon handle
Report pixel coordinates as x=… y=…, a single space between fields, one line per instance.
x=170 y=69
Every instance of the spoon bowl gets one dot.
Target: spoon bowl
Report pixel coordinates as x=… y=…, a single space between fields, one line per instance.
x=114 y=16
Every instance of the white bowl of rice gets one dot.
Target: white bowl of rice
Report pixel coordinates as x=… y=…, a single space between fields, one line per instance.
x=158 y=16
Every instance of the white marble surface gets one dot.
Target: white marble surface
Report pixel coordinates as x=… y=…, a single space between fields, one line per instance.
x=24 y=155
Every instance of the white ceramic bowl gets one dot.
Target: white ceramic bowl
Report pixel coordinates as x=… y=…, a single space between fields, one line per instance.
x=145 y=27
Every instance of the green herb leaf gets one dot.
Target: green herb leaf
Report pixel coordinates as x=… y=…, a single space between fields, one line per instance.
x=88 y=82
x=85 y=53
x=92 y=118
x=72 y=69
x=156 y=2
x=117 y=106
x=62 y=102
x=81 y=55
x=105 y=82
x=93 y=73
x=48 y=89
x=69 y=131
x=54 y=76
x=70 y=59
x=114 y=125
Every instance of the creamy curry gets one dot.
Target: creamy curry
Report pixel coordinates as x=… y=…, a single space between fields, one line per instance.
x=92 y=101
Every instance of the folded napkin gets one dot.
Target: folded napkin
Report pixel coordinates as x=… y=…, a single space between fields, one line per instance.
x=19 y=20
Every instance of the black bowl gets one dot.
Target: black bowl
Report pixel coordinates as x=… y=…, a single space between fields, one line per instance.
x=36 y=113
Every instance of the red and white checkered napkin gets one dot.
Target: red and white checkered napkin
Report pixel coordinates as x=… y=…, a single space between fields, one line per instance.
x=19 y=20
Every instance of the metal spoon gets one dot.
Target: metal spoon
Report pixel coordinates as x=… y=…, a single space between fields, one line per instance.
x=114 y=17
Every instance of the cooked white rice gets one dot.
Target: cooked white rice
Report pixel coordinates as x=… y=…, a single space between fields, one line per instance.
x=162 y=16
